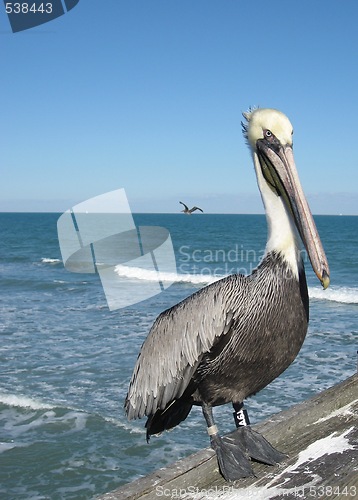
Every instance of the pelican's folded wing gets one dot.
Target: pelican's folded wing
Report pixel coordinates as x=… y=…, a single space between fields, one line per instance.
x=177 y=341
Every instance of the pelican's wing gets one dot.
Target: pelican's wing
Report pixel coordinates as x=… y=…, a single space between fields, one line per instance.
x=196 y=208
x=185 y=206
x=175 y=345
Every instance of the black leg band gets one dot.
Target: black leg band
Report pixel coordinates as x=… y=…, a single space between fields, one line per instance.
x=241 y=416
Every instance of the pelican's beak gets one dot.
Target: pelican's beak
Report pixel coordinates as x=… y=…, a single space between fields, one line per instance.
x=279 y=169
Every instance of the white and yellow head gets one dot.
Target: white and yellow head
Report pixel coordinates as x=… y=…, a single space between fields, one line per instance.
x=259 y=120
x=269 y=135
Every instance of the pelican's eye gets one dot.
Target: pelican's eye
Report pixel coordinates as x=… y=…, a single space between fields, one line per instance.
x=271 y=140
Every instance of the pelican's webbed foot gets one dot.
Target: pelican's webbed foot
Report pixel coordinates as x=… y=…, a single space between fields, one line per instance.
x=233 y=462
x=255 y=445
x=232 y=459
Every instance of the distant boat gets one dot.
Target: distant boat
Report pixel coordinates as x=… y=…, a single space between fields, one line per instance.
x=187 y=211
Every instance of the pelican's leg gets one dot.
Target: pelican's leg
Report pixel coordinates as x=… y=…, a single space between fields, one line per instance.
x=256 y=446
x=241 y=416
x=232 y=460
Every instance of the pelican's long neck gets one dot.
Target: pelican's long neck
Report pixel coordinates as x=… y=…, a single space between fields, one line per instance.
x=282 y=234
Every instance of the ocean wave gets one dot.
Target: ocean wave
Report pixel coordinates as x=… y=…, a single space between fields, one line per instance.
x=344 y=295
x=23 y=402
x=48 y=260
x=150 y=275
x=130 y=426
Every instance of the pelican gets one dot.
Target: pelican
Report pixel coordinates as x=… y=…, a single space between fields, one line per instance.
x=232 y=338
x=186 y=209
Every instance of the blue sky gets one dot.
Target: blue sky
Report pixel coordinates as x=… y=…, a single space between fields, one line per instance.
x=147 y=95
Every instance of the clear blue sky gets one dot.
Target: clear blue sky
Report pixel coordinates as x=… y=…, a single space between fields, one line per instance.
x=147 y=95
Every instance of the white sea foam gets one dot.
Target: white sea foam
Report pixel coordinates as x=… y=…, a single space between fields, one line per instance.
x=6 y=446
x=151 y=275
x=10 y=446
x=47 y=260
x=132 y=427
x=345 y=295
x=23 y=402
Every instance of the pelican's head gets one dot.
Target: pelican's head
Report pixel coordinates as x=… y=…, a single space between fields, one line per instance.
x=269 y=134
x=261 y=121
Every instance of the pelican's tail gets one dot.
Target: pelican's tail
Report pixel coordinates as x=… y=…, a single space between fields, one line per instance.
x=166 y=419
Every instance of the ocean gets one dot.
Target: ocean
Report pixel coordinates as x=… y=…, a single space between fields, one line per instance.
x=66 y=359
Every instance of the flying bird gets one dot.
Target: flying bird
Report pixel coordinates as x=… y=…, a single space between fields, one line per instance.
x=232 y=338
x=187 y=211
